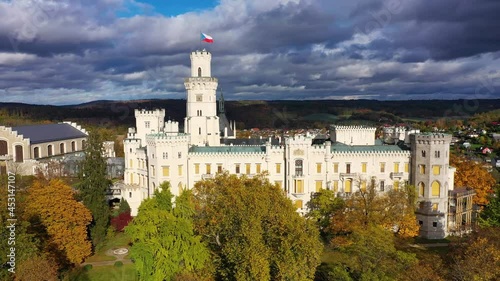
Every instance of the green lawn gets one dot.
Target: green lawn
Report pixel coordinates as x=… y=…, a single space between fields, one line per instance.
x=120 y=240
x=105 y=273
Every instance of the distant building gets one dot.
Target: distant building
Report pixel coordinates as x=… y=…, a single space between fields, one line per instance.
x=461 y=211
x=157 y=151
x=24 y=146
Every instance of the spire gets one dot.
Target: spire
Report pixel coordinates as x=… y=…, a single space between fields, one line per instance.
x=221 y=103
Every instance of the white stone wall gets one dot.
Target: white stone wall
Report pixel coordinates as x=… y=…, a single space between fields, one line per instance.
x=353 y=135
x=149 y=121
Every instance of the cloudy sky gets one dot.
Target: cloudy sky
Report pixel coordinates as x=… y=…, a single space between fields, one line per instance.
x=70 y=51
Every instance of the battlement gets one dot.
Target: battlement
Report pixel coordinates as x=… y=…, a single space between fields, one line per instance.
x=199 y=80
x=149 y=113
x=351 y=128
x=427 y=138
x=9 y=130
x=76 y=126
x=201 y=54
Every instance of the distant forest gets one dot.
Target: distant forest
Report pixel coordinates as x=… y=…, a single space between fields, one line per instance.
x=251 y=114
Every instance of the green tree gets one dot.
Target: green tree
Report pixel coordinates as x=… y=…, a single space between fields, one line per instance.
x=164 y=243
x=93 y=186
x=490 y=216
x=254 y=231
x=322 y=207
x=124 y=207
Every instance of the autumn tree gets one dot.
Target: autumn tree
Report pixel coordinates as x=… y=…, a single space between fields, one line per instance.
x=473 y=175
x=93 y=187
x=254 y=231
x=478 y=257
x=64 y=219
x=164 y=243
x=37 y=268
x=322 y=208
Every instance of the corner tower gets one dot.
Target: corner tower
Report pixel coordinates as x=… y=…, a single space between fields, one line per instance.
x=201 y=121
x=431 y=176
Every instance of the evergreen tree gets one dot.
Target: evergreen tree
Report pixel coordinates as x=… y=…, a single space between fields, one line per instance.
x=93 y=186
x=490 y=216
x=124 y=207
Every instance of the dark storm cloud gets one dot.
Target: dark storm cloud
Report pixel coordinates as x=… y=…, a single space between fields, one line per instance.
x=75 y=51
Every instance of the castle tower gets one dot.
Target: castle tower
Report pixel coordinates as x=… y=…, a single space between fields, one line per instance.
x=201 y=121
x=147 y=122
x=430 y=174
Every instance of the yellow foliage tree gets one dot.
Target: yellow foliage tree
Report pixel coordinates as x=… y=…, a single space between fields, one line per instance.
x=473 y=175
x=65 y=220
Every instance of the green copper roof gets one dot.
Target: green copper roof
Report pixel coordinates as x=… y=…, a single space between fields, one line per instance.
x=228 y=149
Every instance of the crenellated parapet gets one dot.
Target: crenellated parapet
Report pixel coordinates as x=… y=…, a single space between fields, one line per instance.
x=76 y=126
x=149 y=113
x=431 y=138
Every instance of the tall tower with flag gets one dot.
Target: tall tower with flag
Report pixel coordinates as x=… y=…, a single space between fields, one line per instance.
x=201 y=121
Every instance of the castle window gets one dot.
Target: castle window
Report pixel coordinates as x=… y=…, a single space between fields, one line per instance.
x=180 y=170
x=407 y=167
x=166 y=171
x=196 y=169
x=421 y=168
x=423 y=153
x=61 y=148
x=278 y=168
x=237 y=170
x=179 y=154
x=247 y=168
x=363 y=186
x=396 y=185
x=434 y=224
x=396 y=167
x=363 y=167
x=181 y=189
x=199 y=131
x=83 y=144
x=298 y=204
x=318 y=168
x=73 y=146
x=36 y=152
x=147 y=124
x=436 y=170
x=335 y=167
x=199 y=97
x=348 y=186
x=49 y=150
x=421 y=187
x=3 y=148
x=436 y=188
x=382 y=167
x=199 y=71
x=131 y=150
x=208 y=169
x=130 y=195
x=153 y=173
x=382 y=185
x=435 y=206
x=219 y=168
x=420 y=222
x=299 y=186
x=348 y=168
x=335 y=186
x=319 y=186
x=165 y=155
x=437 y=153
x=19 y=153
x=299 y=167
x=257 y=168
x=131 y=162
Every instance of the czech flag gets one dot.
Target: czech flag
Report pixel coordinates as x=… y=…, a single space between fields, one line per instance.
x=206 y=38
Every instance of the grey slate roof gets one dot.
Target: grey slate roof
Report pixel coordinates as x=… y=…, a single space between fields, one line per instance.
x=228 y=149
x=340 y=147
x=48 y=132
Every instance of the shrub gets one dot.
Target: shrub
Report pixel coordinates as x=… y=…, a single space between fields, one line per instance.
x=118 y=264
x=87 y=267
x=121 y=221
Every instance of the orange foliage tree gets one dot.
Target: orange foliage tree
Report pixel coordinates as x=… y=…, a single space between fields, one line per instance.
x=473 y=175
x=63 y=218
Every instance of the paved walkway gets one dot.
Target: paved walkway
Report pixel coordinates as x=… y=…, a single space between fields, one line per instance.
x=110 y=252
x=430 y=245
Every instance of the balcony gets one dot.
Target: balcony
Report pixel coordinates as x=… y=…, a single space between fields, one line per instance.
x=298 y=176
x=207 y=176
x=396 y=175
x=348 y=175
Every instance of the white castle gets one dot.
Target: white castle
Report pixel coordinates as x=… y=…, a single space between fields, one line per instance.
x=157 y=151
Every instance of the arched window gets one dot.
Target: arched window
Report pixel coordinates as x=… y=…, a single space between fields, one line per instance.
x=199 y=131
x=61 y=148
x=19 y=153
x=49 y=150
x=421 y=187
x=3 y=148
x=436 y=187
x=423 y=153
x=348 y=186
x=199 y=71
x=180 y=188
x=36 y=152
x=73 y=146
x=299 y=171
